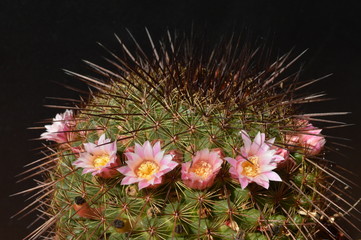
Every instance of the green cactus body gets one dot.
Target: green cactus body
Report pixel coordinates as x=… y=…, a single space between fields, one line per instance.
x=187 y=104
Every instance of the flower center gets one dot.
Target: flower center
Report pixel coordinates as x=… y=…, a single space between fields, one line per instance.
x=101 y=161
x=250 y=167
x=202 y=169
x=146 y=169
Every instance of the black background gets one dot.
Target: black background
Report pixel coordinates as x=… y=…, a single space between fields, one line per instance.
x=39 y=38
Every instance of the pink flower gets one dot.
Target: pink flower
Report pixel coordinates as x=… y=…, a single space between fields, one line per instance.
x=293 y=138
x=255 y=164
x=312 y=141
x=57 y=131
x=146 y=165
x=100 y=160
x=202 y=170
x=309 y=137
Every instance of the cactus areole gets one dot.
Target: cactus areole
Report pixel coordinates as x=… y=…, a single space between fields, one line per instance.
x=175 y=142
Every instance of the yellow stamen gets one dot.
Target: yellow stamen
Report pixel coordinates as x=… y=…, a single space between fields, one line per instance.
x=202 y=169
x=251 y=167
x=101 y=161
x=146 y=169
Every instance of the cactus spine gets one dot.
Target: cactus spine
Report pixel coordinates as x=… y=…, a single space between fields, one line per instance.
x=179 y=105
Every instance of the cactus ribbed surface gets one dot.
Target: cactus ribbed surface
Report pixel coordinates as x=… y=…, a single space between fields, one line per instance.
x=181 y=142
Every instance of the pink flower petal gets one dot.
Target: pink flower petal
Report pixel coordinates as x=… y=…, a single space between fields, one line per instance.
x=124 y=170
x=172 y=165
x=159 y=157
x=101 y=139
x=148 y=150
x=87 y=170
x=138 y=149
x=89 y=147
x=266 y=157
x=129 y=180
x=271 y=141
x=273 y=176
x=143 y=184
x=157 y=180
x=156 y=148
x=233 y=172
x=266 y=168
x=244 y=182
x=134 y=159
x=231 y=161
x=262 y=183
x=256 y=145
x=246 y=140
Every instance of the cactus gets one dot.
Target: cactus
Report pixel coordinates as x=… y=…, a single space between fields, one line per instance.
x=185 y=143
